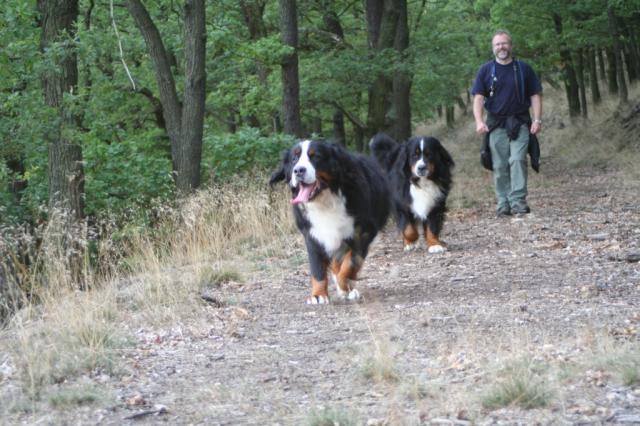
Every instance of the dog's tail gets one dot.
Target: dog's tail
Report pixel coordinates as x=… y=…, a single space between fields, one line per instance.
x=384 y=149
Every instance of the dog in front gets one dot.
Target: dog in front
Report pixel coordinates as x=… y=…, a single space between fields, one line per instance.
x=340 y=202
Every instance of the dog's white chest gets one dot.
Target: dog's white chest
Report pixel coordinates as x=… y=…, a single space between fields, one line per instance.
x=424 y=197
x=330 y=222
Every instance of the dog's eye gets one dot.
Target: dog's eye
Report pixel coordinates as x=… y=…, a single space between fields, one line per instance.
x=312 y=153
x=417 y=151
x=296 y=152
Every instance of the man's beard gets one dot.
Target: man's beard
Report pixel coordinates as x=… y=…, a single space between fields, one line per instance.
x=503 y=54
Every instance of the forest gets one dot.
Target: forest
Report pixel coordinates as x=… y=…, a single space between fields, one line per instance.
x=113 y=108
x=149 y=273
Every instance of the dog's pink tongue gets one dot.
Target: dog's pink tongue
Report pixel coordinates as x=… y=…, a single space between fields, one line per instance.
x=303 y=194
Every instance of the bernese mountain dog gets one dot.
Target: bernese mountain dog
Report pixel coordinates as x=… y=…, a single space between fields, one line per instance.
x=340 y=202
x=419 y=173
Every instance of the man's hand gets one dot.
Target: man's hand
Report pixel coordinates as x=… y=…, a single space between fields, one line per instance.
x=481 y=128
x=536 y=126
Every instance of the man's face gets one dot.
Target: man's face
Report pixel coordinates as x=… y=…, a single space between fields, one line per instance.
x=501 y=46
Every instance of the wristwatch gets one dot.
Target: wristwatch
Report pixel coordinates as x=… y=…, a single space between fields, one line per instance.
x=537 y=120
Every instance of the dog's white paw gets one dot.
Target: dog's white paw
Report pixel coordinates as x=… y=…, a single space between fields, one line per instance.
x=350 y=295
x=318 y=300
x=409 y=247
x=437 y=249
x=354 y=295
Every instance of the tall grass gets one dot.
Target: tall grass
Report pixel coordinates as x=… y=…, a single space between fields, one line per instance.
x=64 y=330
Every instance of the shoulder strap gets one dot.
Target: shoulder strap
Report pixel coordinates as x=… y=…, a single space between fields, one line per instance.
x=519 y=79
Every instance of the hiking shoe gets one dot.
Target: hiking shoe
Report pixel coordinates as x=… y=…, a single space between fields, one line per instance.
x=521 y=210
x=503 y=211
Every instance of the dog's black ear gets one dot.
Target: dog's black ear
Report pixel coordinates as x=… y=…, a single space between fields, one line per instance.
x=280 y=174
x=402 y=161
x=446 y=157
x=277 y=176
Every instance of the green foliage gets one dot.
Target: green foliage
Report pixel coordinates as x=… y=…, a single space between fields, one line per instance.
x=246 y=151
x=124 y=175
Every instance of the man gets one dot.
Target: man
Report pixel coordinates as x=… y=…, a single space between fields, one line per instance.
x=508 y=88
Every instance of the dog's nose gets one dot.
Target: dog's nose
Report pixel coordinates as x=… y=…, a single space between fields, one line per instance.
x=300 y=171
x=422 y=168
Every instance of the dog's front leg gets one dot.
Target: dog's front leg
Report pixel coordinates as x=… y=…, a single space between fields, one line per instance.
x=432 y=228
x=345 y=270
x=318 y=263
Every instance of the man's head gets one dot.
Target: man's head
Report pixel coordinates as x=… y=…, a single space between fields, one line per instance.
x=502 y=46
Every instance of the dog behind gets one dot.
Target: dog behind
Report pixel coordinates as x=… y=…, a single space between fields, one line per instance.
x=419 y=174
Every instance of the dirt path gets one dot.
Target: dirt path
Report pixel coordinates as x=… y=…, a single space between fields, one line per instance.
x=434 y=333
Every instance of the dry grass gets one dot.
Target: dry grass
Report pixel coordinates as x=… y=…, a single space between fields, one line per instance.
x=608 y=358
x=62 y=333
x=520 y=383
x=330 y=417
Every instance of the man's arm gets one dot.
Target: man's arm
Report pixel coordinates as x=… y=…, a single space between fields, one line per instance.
x=478 y=106
x=536 y=110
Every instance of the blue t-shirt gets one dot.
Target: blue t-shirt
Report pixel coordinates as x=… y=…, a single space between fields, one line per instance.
x=497 y=83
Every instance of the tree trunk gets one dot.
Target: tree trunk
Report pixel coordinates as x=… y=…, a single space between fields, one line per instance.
x=631 y=53
x=617 y=53
x=190 y=152
x=185 y=136
x=612 y=72
x=65 y=170
x=581 y=82
x=331 y=24
x=569 y=74
x=402 y=79
x=601 y=65
x=450 y=115
x=358 y=138
x=382 y=21
x=593 y=74
x=290 y=78
x=339 y=135
x=66 y=176
x=252 y=12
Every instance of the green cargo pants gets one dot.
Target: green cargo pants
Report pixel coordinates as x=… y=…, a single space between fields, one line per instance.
x=510 y=168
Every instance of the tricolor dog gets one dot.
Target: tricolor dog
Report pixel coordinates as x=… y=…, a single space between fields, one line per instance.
x=419 y=173
x=340 y=202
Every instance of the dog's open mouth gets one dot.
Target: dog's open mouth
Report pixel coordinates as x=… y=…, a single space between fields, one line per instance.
x=307 y=192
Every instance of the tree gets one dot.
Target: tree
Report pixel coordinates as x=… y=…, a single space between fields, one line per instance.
x=65 y=170
x=617 y=54
x=568 y=70
x=290 y=78
x=332 y=25
x=66 y=175
x=252 y=12
x=401 y=78
x=381 y=27
x=184 y=121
